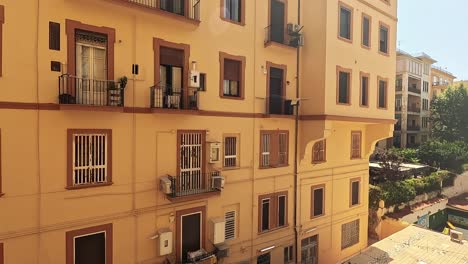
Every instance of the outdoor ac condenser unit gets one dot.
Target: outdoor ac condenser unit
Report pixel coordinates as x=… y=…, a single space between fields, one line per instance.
x=218 y=182
x=165 y=183
x=456 y=236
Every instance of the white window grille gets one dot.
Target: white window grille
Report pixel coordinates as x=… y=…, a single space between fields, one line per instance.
x=349 y=234
x=265 y=151
x=230 y=152
x=230 y=227
x=90 y=159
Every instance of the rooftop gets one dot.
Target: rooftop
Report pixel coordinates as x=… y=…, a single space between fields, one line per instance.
x=459 y=202
x=414 y=245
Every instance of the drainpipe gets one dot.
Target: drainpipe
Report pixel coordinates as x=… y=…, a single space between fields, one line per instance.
x=296 y=132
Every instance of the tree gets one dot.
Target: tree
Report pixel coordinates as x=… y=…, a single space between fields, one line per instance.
x=449 y=115
x=444 y=154
x=390 y=164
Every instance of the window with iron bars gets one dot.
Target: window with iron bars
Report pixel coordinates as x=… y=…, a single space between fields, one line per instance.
x=231 y=151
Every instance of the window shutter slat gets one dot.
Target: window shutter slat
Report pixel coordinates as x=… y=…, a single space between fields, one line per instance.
x=231 y=70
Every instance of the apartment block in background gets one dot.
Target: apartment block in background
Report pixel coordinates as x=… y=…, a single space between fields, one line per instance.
x=412 y=99
x=137 y=131
x=441 y=80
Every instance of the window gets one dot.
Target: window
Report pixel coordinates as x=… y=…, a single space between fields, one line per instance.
x=173 y=6
x=2 y=20
x=425 y=104
x=264 y=258
x=366 y=31
x=343 y=84
x=90 y=157
x=230 y=226
x=231 y=151
x=89 y=245
x=383 y=38
x=319 y=151
x=425 y=86
x=232 y=76
x=349 y=234
x=425 y=122
x=233 y=11
x=355 y=191
x=345 y=22
x=382 y=99
x=202 y=82
x=274 y=145
x=356 y=145
x=54 y=36
x=364 y=90
x=318 y=201
x=1 y=253
x=273 y=212
x=288 y=255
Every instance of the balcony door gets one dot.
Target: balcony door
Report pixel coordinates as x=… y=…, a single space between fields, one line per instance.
x=191 y=233
x=277 y=17
x=169 y=93
x=309 y=250
x=173 y=6
x=276 y=100
x=91 y=68
x=191 y=161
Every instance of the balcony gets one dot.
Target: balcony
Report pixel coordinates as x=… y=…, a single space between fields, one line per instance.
x=276 y=105
x=192 y=184
x=167 y=97
x=414 y=109
x=82 y=91
x=413 y=128
x=278 y=34
x=189 y=9
x=414 y=90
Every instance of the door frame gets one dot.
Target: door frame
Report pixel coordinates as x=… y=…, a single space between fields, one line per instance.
x=283 y=67
x=71 y=235
x=179 y=214
x=318 y=240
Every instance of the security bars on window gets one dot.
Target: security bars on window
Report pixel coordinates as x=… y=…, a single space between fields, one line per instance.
x=230 y=152
x=89 y=159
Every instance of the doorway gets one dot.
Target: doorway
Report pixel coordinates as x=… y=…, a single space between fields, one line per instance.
x=276 y=85
x=309 y=250
x=90 y=249
x=91 y=68
x=277 y=18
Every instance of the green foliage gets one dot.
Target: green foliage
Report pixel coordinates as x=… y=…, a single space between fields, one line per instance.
x=123 y=82
x=408 y=154
x=396 y=193
x=375 y=195
x=390 y=163
x=449 y=115
x=443 y=154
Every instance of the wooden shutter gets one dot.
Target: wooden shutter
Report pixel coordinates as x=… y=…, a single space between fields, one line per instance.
x=232 y=70
x=173 y=57
x=230 y=227
x=356 y=145
x=54 y=36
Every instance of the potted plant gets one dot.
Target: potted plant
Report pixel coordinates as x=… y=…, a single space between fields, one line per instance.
x=123 y=82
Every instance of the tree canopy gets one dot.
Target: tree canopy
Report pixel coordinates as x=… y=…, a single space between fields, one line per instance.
x=449 y=115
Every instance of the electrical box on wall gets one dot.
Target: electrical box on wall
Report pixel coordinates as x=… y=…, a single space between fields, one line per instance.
x=215 y=152
x=218 y=225
x=165 y=242
x=194 y=79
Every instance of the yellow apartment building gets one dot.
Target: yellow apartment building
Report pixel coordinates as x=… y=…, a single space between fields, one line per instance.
x=441 y=80
x=177 y=131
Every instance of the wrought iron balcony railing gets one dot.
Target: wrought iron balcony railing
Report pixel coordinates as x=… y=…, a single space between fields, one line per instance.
x=195 y=182
x=414 y=90
x=414 y=109
x=82 y=91
x=413 y=128
x=186 y=8
x=279 y=34
x=166 y=96
x=277 y=105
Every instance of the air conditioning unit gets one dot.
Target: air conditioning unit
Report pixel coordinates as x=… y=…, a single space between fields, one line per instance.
x=222 y=251
x=217 y=182
x=215 y=152
x=194 y=79
x=217 y=227
x=165 y=242
x=456 y=236
x=294 y=28
x=166 y=184
x=300 y=41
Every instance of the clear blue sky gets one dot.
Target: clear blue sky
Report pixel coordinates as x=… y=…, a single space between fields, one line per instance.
x=438 y=28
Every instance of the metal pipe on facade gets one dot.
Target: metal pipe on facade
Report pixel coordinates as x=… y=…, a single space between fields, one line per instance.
x=296 y=133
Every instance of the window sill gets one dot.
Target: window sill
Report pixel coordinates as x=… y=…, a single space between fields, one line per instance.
x=279 y=166
x=345 y=39
x=272 y=230
x=232 y=97
x=318 y=162
x=384 y=54
x=241 y=23
x=88 y=186
x=317 y=216
x=356 y=158
x=365 y=47
x=231 y=168
x=354 y=205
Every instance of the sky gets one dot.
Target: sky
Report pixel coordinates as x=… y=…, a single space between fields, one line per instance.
x=438 y=28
